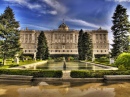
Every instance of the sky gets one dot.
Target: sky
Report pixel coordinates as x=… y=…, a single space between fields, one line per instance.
x=77 y=14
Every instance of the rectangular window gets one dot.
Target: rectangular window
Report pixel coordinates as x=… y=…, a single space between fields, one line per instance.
x=55 y=36
x=96 y=36
x=101 y=36
x=104 y=36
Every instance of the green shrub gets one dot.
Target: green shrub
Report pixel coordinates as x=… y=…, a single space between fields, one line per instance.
x=79 y=74
x=96 y=74
x=102 y=59
x=121 y=67
x=71 y=58
x=58 y=59
x=35 y=73
x=123 y=59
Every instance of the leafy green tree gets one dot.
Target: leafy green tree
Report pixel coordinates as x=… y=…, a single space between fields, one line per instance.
x=123 y=60
x=80 y=45
x=42 y=48
x=9 y=34
x=120 y=29
x=87 y=46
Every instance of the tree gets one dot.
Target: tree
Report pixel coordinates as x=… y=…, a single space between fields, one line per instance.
x=80 y=45
x=9 y=35
x=123 y=60
x=42 y=48
x=87 y=46
x=120 y=29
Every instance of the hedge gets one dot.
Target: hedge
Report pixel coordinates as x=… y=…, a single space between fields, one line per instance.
x=34 y=73
x=96 y=74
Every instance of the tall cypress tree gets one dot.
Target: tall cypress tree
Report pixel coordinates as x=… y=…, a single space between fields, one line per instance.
x=42 y=48
x=9 y=34
x=87 y=46
x=80 y=45
x=120 y=29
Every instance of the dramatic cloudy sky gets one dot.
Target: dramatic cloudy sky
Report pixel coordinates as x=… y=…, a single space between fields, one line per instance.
x=49 y=14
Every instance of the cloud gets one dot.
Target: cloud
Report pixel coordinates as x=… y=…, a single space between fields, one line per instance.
x=53 y=12
x=37 y=6
x=25 y=3
x=33 y=27
x=56 y=5
x=119 y=0
x=83 y=23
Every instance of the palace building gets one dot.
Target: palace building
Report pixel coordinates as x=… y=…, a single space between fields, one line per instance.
x=63 y=41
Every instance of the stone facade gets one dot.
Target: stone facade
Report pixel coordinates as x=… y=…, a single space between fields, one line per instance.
x=63 y=41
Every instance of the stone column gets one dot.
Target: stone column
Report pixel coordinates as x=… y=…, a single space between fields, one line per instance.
x=28 y=38
x=24 y=37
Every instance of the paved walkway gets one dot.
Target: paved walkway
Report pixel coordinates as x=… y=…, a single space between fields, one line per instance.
x=66 y=74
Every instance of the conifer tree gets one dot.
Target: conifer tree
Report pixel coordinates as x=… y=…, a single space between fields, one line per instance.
x=80 y=45
x=42 y=48
x=9 y=34
x=120 y=29
x=87 y=46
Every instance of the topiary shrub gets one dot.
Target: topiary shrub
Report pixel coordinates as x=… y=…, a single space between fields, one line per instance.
x=123 y=60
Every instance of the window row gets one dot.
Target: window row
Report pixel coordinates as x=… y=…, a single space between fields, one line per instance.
x=101 y=47
x=29 y=51
x=63 y=51
x=101 y=51
x=100 y=36
x=62 y=36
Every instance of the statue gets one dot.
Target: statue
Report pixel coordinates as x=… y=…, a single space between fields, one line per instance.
x=17 y=59
x=64 y=64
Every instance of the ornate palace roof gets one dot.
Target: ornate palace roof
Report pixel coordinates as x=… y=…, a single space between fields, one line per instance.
x=63 y=26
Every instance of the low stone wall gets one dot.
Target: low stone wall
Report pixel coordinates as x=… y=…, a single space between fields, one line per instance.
x=23 y=78
x=28 y=66
x=70 y=79
x=116 y=77
x=33 y=65
x=103 y=66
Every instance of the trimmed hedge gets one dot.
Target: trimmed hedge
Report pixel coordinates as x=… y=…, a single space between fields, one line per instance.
x=96 y=74
x=34 y=73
